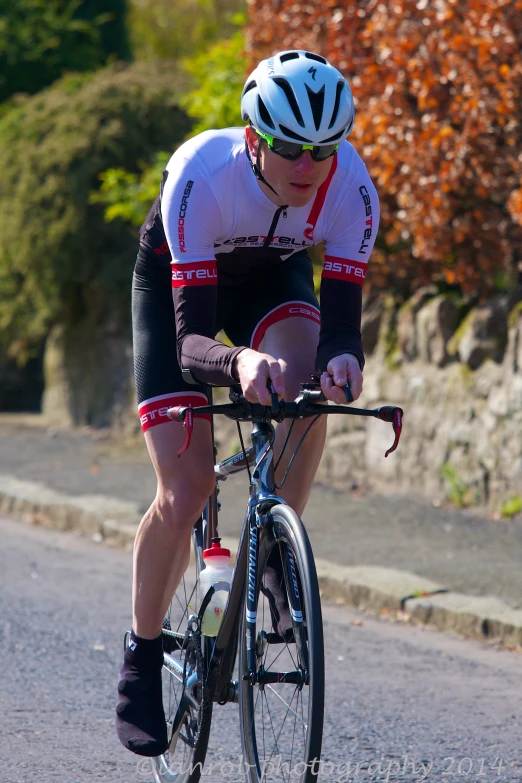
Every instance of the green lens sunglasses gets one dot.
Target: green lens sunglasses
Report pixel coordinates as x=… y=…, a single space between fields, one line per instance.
x=291 y=150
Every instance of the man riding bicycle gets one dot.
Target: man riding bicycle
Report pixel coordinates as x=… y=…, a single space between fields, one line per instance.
x=225 y=247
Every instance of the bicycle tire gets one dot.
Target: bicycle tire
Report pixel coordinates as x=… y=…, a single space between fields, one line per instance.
x=183 y=763
x=261 y=744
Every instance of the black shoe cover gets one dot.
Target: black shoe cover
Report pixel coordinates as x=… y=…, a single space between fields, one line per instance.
x=140 y=718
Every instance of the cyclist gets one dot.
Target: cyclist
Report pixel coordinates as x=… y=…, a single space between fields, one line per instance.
x=225 y=247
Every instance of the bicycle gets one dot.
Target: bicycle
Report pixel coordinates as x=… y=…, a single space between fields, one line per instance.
x=281 y=678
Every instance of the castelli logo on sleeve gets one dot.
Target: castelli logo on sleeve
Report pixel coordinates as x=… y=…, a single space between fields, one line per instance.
x=344 y=269
x=369 y=219
x=181 y=216
x=194 y=273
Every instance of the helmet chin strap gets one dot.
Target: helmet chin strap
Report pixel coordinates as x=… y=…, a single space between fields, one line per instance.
x=257 y=170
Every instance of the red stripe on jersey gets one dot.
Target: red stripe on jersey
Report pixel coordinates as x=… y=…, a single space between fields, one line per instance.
x=319 y=202
x=154 y=411
x=194 y=273
x=344 y=269
x=286 y=310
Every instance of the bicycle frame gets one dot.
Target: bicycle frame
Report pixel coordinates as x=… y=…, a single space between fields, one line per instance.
x=219 y=684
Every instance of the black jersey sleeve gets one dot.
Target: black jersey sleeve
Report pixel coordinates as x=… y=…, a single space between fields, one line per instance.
x=341 y=307
x=209 y=360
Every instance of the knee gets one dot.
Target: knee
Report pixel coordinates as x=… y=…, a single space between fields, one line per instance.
x=179 y=504
x=297 y=370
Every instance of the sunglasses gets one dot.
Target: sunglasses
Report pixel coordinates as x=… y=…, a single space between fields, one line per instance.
x=289 y=150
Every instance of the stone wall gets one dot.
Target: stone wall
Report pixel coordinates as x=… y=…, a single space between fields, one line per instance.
x=457 y=373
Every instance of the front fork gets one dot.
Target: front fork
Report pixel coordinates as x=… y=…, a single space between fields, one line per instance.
x=251 y=605
x=259 y=528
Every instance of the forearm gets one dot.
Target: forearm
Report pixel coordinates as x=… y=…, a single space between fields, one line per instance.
x=341 y=311
x=209 y=360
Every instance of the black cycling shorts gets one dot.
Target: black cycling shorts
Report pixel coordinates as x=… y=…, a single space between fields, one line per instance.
x=244 y=312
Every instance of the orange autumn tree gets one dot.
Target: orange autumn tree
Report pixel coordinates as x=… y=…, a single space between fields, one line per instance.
x=438 y=90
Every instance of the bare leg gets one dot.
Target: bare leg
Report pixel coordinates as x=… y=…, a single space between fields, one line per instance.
x=162 y=545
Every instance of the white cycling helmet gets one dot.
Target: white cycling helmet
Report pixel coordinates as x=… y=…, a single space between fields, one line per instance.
x=298 y=96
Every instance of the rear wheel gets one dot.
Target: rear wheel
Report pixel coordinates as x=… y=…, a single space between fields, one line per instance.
x=185 y=654
x=282 y=701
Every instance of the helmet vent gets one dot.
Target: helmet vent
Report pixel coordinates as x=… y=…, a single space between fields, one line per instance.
x=293 y=135
x=290 y=98
x=264 y=113
x=250 y=86
x=289 y=56
x=338 y=92
x=312 y=56
x=337 y=136
x=317 y=103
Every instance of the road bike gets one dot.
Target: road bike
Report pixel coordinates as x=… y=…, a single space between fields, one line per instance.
x=275 y=675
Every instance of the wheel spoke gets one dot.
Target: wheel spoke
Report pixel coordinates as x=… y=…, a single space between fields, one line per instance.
x=276 y=748
x=288 y=711
x=288 y=707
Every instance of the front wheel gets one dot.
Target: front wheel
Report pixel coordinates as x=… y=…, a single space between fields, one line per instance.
x=281 y=701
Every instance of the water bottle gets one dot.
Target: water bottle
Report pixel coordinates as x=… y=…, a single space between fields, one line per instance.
x=216 y=574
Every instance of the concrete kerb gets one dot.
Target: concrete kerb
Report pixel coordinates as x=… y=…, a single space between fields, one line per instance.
x=98 y=516
x=382 y=591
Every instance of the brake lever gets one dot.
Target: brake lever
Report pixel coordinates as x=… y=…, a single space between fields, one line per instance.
x=397 y=429
x=184 y=414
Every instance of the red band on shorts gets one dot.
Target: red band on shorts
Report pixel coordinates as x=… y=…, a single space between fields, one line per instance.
x=344 y=269
x=286 y=310
x=194 y=273
x=154 y=411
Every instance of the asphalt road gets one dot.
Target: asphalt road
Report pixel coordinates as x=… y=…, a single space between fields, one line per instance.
x=403 y=703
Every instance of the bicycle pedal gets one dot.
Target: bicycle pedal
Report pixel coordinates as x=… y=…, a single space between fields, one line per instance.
x=286 y=638
x=170 y=643
x=277 y=638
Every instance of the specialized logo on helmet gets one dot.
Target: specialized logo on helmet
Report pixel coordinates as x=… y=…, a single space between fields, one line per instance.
x=313 y=71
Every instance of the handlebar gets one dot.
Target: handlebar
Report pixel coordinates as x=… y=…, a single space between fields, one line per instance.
x=305 y=406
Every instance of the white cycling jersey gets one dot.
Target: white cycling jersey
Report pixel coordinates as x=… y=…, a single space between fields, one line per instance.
x=212 y=205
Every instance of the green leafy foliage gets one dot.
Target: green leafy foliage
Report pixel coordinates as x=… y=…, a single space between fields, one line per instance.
x=511 y=507
x=219 y=74
x=162 y=29
x=127 y=195
x=42 y=39
x=457 y=492
x=59 y=258
x=114 y=35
